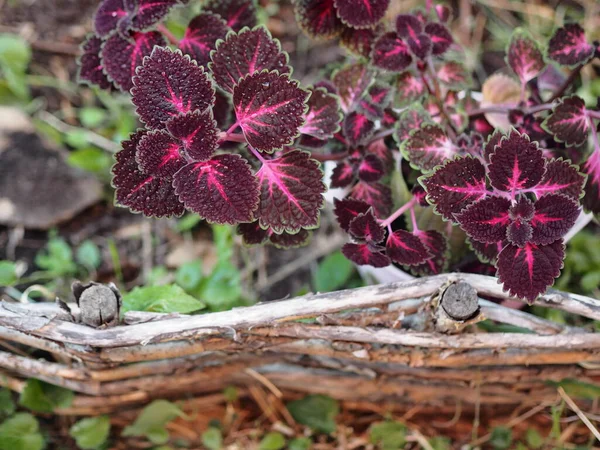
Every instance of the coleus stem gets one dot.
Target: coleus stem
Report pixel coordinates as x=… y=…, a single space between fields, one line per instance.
x=167 y=33
x=410 y=204
x=507 y=108
x=331 y=157
x=568 y=82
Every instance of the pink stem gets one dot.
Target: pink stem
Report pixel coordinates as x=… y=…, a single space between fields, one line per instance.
x=399 y=212
x=170 y=36
x=257 y=154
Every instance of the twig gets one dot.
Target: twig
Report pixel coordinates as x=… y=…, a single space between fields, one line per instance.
x=578 y=411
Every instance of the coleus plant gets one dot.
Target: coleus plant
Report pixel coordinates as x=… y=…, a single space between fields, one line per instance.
x=231 y=136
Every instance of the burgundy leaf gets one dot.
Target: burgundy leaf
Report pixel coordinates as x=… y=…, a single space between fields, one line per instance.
x=560 y=177
x=524 y=56
x=150 y=195
x=364 y=255
x=428 y=147
x=360 y=42
x=420 y=45
x=324 y=115
x=443 y=12
x=222 y=111
x=371 y=169
x=406 y=249
x=342 y=175
x=361 y=13
x=351 y=83
x=441 y=39
x=516 y=164
x=270 y=109
x=491 y=144
x=246 y=53
x=454 y=75
x=201 y=37
x=150 y=12
x=108 y=15
x=347 y=209
x=91 y=70
x=591 y=199
x=252 y=233
x=289 y=240
x=523 y=209
x=318 y=18
x=121 y=56
x=437 y=245
x=555 y=215
x=527 y=272
x=310 y=142
x=519 y=233
x=390 y=117
x=391 y=53
x=486 y=252
x=158 y=154
x=456 y=185
x=197 y=133
x=486 y=220
x=221 y=189
x=357 y=128
x=409 y=88
x=237 y=13
x=408 y=25
x=569 y=46
x=381 y=94
x=365 y=227
x=169 y=84
x=377 y=195
x=291 y=192
x=568 y=122
x=411 y=119
x=369 y=109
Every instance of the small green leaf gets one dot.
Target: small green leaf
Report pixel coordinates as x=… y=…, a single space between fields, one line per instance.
x=56 y=258
x=90 y=159
x=333 y=272
x=189 y=275
x=43 y=397
x=152 y=420
x=534 y=439
x=168 y=298
x=88 y=255
x=222 y=290
x=8 y=273
x=158 y=276
x=440 y=443
x=92 y=117
x=7 y=405
x=577 y=389
x=212 y=438
x=301 y=443
x=91 y=433
x=315 y=411
x=15 y=54
x=272 y=441
x=21 y=432
x=388 y=435
x=591 y=281
x=223 y=238
x=77 y=138
x=187 y=222
x=230 y=393
x=501 y=438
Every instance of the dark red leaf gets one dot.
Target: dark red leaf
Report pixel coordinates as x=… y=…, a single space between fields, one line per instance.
x=237 y=13
x=310 y=142
x=524 y=56
x=169 y=84
x=351 y=83
x=158 y=154
x=150 y=12
x=252 y=233
x=568 y=122
x=523 y=209
x=150 y=195
x=516 y=164
x=221 y=189
x=324 y=115
x=381 y=150
x=121 y=56
x=443 y=12
x=246 y=53
x=291 y=192
x=108 y=15
x=486 y=252
x=342 y=175
x=409 y=88
x=527 y=272
x=91 y=70
x=420 y=46
x=408 y=25
x=390 y=52
x=318 y=18
x=411 y=119
x=428 y=147
x=441 y=39
x=560 y=177
x=491 y=144
x=437 y=245
x=371 y=169
x=201 y=37
x=406 y=249
x=454 y=75
x=364 y=255
x=569 y=46
x=555 y=215
x=197 y=132
x=591 y=199
x=377 y=195
x=519 y=233
x=347 y=209
x=456 y=185
x=486 y=220
x=369 y=109
x=366 y=228
x=288 y=240
x=381 y=94
x=361 y=13
x=360 y=42
x=222 y=111
x=357 y=128
x=270 y=109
